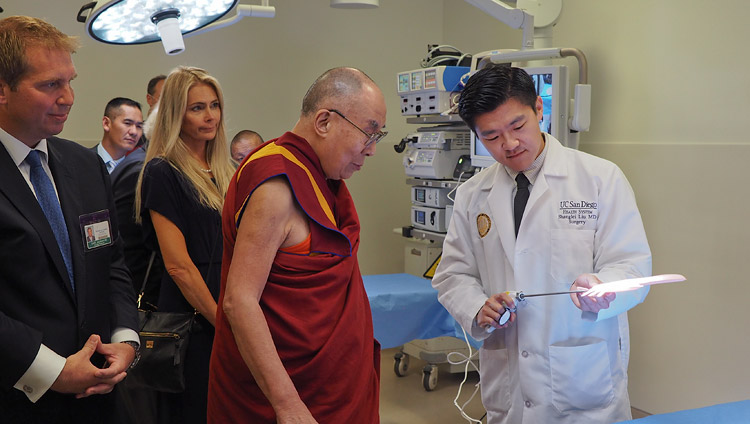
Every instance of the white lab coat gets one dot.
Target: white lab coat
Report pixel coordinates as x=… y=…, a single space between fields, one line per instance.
x=552 y=365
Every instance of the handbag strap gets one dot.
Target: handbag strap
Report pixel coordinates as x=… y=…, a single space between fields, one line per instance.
x=145 y=278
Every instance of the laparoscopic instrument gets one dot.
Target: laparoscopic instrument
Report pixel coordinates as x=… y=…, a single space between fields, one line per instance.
x=519 y=296
x=598 y=290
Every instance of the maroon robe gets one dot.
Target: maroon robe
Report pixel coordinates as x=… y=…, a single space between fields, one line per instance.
x=315 y=305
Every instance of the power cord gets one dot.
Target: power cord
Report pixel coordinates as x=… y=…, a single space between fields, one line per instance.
x=452 y=199
x=443 y=55
x=464 y=359
x=454 y=105
x=430 y=60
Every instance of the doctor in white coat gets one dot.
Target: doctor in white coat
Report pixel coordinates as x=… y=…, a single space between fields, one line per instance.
x=560 y=359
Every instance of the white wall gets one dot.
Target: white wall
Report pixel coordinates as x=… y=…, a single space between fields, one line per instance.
x=265 y=66
x=670 y=99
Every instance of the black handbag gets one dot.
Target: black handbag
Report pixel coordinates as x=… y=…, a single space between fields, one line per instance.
x=164 y=341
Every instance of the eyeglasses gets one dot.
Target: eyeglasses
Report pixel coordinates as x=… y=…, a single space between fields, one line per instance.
x=371 y=138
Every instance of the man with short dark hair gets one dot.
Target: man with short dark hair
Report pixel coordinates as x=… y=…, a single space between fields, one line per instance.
x=67 y=312
x=123 y=128
x=543 y=217
x=292 y=301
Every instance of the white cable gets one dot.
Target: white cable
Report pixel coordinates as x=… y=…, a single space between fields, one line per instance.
x=447 y=46
x=458 y=63
x=454 y=189
x=455 y=99
x=439 y=59
x=467 y=360
x=454 y=108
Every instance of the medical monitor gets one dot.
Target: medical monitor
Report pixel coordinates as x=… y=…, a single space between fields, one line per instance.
x=552 y=85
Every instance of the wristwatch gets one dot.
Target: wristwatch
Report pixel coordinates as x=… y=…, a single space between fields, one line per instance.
x=137 y=348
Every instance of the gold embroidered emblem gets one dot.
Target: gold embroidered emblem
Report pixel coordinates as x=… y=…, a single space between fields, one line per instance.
x=483 y=224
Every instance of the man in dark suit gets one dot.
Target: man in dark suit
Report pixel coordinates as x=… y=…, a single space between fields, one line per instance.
x=123 y=127
x=67 y=307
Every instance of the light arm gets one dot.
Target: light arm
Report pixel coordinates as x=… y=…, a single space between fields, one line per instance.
x=511 y=16
x=243 y=10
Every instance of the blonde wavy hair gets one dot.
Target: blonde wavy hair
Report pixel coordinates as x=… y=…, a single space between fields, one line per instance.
x=165 y=142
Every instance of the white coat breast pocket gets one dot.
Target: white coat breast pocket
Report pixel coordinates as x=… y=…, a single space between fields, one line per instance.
x=572 y=254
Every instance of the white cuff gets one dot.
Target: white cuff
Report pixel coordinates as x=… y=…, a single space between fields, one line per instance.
x=42 y=373
x=125 y=334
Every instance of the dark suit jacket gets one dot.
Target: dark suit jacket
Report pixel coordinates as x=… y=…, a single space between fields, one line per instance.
x=37 y=303
x=124 y=179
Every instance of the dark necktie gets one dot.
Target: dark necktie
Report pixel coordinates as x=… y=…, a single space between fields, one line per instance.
x=522 y=196
x=45 y=194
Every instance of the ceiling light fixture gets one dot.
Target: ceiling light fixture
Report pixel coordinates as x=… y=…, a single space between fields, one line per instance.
x=148 y=21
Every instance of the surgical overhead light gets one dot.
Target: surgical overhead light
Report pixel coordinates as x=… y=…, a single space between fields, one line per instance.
x=169 y=29
x=148 y=21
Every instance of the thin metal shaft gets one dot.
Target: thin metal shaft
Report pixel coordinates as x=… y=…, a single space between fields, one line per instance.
x=524 y=295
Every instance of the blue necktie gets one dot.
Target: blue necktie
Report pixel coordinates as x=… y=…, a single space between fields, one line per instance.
x=45 y=194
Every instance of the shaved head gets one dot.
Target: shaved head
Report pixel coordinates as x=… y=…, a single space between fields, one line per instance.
x=337 y=86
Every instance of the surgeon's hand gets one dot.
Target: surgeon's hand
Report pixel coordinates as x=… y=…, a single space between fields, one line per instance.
x=590 y=303
x=493 y=308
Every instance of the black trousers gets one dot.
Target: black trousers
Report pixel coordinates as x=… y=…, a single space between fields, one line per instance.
x=54 y=408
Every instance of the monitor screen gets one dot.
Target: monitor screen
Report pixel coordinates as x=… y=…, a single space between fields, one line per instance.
x=419 y=195
x=552 y=86
x=416 y=80
x=403 y=82
x=543 y=83
x=419 y=216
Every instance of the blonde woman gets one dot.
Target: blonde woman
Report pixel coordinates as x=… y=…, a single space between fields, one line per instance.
x=180 y=196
